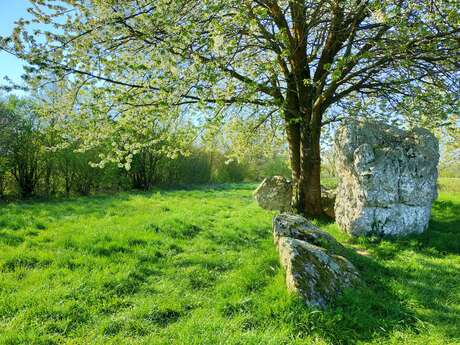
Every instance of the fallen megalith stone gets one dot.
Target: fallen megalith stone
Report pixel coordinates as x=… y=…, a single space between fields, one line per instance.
x=274 y=193
x=310 y=257
x=387 y=178
x=298 y=227
x=328 y=201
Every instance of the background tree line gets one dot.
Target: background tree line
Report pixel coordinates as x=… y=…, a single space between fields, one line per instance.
x=33 y=163
x=38 y=159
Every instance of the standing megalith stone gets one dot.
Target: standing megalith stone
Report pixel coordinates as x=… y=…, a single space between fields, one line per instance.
x=387 y=178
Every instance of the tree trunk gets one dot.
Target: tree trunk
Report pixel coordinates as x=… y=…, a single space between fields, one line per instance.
x=293 y=137
x=305 y=161
x=67 y=186
x=2 y=185
x=310 y=180
x=303 y=129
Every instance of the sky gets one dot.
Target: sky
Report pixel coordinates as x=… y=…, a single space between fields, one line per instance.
x=10 y=11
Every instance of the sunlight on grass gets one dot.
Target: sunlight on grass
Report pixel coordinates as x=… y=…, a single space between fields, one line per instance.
x=199 y=267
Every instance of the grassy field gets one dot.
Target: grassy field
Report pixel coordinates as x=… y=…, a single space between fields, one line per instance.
x=199 y=267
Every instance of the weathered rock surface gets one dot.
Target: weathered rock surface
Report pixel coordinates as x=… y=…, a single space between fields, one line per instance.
x=311 y=261
x=274 y=193
x=328 y=197
x=298 y=227
x=387 y=178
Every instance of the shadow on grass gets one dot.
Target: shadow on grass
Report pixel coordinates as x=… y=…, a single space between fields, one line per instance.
x=364 y=313
x=409 y=281
x=443 y=234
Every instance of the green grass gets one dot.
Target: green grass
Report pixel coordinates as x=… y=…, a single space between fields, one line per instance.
x=199 y=267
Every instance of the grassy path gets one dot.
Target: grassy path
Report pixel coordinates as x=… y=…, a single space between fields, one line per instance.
x=199 y=267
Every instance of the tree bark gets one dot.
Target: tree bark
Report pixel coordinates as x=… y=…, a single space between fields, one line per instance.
x=305 y=160
x=310 y=181
x=293 y=137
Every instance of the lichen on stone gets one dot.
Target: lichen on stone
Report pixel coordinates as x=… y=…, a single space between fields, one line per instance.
x=387 y=178
x=314 y=266
x=274 y=193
